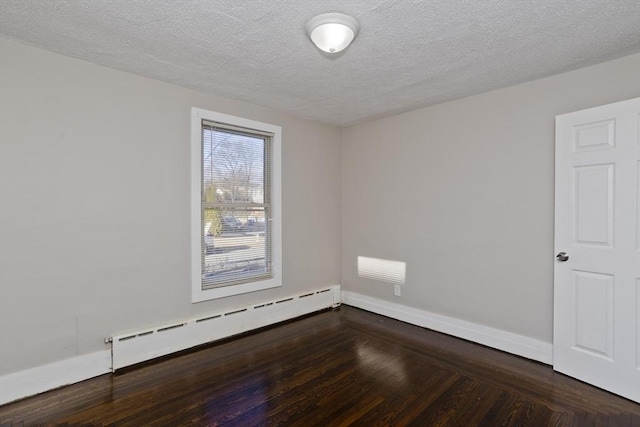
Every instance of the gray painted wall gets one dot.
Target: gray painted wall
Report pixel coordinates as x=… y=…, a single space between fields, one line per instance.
x=94 y=202
x=94 y=205
x=463 y=192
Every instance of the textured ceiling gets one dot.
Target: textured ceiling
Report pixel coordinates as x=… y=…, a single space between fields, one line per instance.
x=408 y=54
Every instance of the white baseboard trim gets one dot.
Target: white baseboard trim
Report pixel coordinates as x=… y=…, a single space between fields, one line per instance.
x=37 y=380
x=502 y=340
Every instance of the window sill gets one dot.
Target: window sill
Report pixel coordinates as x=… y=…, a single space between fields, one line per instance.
x=199 y=295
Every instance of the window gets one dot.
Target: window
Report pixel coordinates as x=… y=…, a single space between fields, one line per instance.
x=236 y=227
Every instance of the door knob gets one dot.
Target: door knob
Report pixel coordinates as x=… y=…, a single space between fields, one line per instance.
x=562 y=256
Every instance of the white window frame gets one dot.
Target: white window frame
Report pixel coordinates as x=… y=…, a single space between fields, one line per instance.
x=197 y=293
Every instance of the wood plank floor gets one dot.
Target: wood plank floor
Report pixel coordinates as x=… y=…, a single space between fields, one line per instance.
x=335 y=368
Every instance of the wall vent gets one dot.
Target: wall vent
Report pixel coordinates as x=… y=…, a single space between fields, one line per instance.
x=135 y=347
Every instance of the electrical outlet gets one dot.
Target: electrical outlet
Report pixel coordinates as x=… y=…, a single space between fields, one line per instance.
x=396 y=290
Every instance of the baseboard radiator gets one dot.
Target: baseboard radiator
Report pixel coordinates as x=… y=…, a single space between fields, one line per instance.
x=146 y=344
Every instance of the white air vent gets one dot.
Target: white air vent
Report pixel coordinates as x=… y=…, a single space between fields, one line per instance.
x=135 y=347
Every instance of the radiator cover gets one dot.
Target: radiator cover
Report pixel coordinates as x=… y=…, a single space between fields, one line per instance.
x=146 y=344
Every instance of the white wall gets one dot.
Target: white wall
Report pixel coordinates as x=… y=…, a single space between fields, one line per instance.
x=463 y=192
x=94 y=205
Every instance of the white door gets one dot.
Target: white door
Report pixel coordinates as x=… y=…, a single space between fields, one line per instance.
x=596 y=335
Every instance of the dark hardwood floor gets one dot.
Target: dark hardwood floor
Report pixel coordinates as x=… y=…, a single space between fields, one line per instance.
x=342 y=367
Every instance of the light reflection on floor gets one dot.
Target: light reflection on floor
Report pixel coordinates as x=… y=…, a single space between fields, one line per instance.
x=384 y=366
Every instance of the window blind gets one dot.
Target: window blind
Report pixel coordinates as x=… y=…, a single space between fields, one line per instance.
x=236 y=205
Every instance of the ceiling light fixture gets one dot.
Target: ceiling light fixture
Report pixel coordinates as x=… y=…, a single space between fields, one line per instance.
x=332 y=32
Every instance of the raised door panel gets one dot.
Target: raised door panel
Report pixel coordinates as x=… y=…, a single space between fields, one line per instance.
x=593 y=308
x=594 y=199
x=594 y=136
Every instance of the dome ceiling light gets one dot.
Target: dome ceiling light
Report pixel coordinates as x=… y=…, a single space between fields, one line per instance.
x=332 y=32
